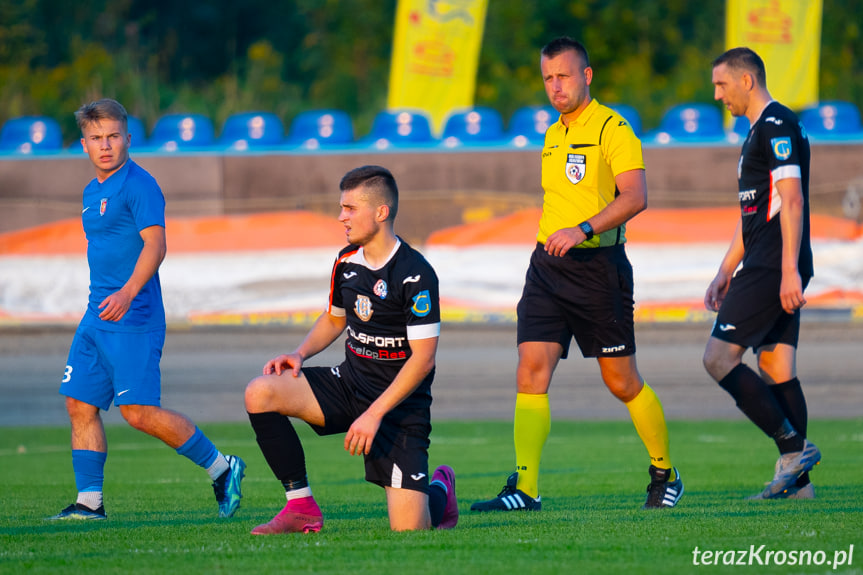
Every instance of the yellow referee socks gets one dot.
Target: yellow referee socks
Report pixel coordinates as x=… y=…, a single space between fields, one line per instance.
x=649 y=420
x=531 y=427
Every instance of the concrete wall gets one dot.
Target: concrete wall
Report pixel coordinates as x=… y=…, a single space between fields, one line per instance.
x=438 y=189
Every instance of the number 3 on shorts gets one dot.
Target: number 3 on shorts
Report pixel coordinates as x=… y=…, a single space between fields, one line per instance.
x=68 y=374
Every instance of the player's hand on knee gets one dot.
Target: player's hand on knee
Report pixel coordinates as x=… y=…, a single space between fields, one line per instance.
x=284 y=362
x=361 y=434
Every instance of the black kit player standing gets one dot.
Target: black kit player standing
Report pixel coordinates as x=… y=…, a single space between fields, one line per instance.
x=384 y=296
x=759 y=305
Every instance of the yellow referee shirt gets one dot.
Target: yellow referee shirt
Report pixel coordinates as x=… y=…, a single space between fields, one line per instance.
x=579 y=164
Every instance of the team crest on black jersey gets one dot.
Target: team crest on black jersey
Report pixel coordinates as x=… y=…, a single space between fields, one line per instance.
x=381 y=289
x=363 y=308
x=422 y=304
x=781 y=148
x=575 y=164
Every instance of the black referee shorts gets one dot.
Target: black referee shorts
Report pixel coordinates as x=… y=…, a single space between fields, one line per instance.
x=399 y=453
x=587 y=294
x=751 y=314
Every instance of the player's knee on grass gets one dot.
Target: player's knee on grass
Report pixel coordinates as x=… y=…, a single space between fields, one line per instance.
x=408 y=509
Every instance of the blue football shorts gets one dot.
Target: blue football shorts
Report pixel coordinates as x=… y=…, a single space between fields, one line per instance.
x=109 y=365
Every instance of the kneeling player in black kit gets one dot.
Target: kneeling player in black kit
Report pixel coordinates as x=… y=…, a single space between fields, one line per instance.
x=385 y=295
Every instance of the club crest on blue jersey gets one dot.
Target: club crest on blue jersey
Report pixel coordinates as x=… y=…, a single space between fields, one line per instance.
x=363 y=308
x=781 y=148
x=103 y=205
x=381 y=289
x=575 y=164
x=422 y=304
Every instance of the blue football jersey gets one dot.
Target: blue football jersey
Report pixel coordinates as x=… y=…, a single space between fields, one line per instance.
x=113 y=213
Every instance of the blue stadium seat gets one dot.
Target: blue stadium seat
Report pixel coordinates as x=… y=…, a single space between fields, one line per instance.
x=30 y=135
x=690 y=123
x=832 y=118
x=245 y=130
x=629 y=114
x=739 y=130
x=136 y=129
x=315 y=128
x=479 y=125
x=400 y=128
x=174 y=132
x=529 y=124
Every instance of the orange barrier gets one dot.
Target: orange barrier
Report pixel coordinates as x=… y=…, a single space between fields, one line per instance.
x=302 y=229
x=265 y=231
x=679 y=226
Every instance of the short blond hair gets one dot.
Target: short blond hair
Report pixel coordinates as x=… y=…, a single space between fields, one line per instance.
x=104 y=109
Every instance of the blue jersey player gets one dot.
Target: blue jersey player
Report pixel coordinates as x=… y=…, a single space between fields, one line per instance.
x=384 y=299
x=118 y=344
x=759 y=305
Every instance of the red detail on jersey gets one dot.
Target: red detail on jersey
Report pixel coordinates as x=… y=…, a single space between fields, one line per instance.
x=333 y=277
x=771 y=190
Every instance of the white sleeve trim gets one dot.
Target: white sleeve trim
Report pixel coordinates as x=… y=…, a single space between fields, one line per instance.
x=785 y=172
x=424 y=331
x=337 y=311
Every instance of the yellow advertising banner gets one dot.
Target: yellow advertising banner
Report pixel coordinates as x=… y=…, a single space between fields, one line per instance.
x=435 y=55
x=787 y=36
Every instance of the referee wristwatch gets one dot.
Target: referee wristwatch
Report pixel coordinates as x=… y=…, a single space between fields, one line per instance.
x=587 y=229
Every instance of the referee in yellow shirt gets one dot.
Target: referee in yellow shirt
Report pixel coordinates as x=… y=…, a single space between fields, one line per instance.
x=579 y=283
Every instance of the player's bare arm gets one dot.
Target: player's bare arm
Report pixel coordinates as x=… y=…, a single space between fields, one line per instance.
x=791 y=222
x=631 y=200
x=719 y=286
x=326 y=329
x=422 y=360
x=115 y=306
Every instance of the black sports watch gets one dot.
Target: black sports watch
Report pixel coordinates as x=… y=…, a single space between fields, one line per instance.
x=587 y=229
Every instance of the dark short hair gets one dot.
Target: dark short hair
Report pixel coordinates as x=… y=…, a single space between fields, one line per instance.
x=378 y=181
x=561 y=45
x=104 y=109
x=746 y=60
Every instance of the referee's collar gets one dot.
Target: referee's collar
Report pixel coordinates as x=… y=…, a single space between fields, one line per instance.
x=582 y=118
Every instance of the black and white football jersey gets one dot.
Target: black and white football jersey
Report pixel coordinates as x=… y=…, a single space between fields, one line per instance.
x=385 y=308
x=775 y=148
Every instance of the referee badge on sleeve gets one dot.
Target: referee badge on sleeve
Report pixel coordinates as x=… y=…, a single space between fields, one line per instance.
x=575 y=167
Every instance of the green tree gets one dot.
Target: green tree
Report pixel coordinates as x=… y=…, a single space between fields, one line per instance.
x=218 y=57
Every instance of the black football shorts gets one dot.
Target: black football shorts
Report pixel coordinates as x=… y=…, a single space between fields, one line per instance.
x=586 y=294
x=751 y=314
x=399 y=454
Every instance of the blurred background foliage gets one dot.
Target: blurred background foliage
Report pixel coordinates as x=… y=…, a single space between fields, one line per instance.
x=218 y=57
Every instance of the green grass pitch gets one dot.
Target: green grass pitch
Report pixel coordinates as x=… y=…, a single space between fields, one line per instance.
x=162 y=514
